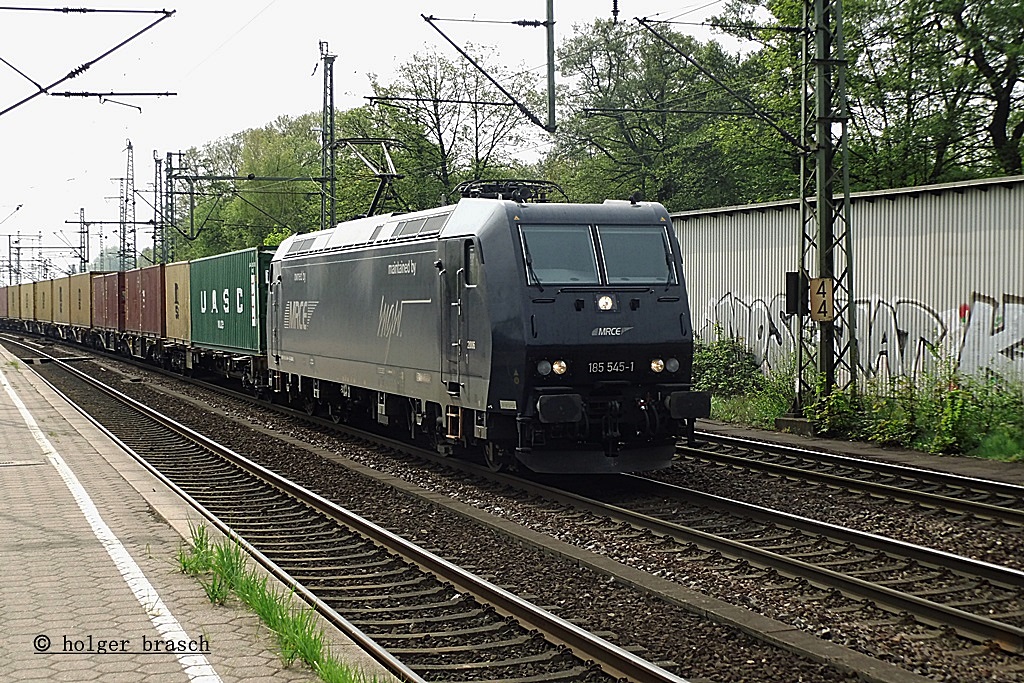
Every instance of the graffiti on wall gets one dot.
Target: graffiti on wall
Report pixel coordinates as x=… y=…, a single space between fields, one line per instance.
x=901 y=337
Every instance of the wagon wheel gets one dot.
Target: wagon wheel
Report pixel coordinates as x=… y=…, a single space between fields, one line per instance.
x=336 y=411
x=498 y=458
x=309 y=405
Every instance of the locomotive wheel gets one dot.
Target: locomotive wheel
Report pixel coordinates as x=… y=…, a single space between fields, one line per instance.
x=498 y=459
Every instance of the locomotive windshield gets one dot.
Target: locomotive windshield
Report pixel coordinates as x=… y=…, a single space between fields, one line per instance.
x=560 y=254
x=597 y=255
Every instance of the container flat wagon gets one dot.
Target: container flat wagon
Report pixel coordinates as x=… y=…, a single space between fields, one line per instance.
x=227 y=308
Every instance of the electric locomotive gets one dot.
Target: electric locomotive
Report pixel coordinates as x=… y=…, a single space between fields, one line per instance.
x=550 y=335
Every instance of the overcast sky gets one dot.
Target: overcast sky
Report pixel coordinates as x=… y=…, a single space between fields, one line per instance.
x=234 y=65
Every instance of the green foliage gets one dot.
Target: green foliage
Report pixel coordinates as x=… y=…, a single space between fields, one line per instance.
x=634 y=121
x=932 y=85
x=890 y=415
x=216 y=588
x=943 y=412
x=197 y=558
x=725 y=367
x=296 y=627
x=837 y=413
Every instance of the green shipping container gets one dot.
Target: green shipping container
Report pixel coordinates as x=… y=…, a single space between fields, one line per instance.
x=229 y=300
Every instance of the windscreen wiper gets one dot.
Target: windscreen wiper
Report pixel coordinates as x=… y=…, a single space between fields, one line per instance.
x=529 y=266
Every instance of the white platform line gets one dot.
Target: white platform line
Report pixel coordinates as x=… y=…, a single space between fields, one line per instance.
x=196 y=666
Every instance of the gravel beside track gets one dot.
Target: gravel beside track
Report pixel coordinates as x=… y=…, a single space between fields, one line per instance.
x=701 y=649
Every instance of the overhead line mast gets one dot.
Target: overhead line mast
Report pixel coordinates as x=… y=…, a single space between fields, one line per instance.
x=328 y=151
x=127 y=245
x=825 y=241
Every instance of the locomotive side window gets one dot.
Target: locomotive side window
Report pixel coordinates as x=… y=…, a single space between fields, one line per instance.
x=636 y=254
x=560 y=254
x=472 y=264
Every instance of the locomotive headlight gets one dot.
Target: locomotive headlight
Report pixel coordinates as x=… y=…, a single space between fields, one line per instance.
x=544 y=368
x=672 y=364
x=605 y=302
x=657 y=365
x=559 y=366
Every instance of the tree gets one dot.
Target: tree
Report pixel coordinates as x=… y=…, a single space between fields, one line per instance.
x=992 y=34
x=640 y=118
x=443 y=116
x=933 y=85
x=108 y=260
x=228 y=215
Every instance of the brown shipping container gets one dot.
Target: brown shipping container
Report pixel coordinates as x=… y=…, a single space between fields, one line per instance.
x=108 y=300
x=43 y=293
x=14 y=302
x=3 y=302
x=133 y=300
x=176 y=302
x=28 y=300
x=80 y=299
x=61 y=308
x=144 y=297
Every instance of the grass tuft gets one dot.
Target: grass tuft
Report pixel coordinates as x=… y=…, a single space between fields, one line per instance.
x=222 y=570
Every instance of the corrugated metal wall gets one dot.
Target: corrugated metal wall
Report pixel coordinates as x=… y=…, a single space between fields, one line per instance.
x=938 y=269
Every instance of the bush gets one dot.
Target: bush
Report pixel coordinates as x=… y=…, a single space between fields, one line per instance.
x=725 y=367
x=940 y=412
x=838 y=413
x=891 y=413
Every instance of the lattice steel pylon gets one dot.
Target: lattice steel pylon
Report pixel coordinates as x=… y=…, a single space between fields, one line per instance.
x=126 y=248
x=83 y=242
x=827 y=351
x=328 y=153
x=159 y=238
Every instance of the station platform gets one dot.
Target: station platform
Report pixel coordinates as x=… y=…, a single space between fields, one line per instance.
x=90 y=587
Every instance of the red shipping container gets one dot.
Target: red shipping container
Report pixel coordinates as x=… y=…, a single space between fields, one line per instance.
x=144 y=301
x=108 y=299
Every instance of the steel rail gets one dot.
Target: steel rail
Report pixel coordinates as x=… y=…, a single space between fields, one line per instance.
x=935 y=500
x=613 y=659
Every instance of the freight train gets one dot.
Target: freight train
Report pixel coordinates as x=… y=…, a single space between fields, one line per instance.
x=547 y=335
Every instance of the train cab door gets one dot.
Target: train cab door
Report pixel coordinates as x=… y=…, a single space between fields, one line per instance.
x=451 y=316
x=275 y=316
x=462 y=302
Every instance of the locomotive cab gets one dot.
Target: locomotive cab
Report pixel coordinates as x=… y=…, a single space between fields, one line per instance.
x=605 y=347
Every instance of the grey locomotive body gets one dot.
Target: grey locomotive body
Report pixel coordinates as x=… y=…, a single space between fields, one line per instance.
x=553 y=335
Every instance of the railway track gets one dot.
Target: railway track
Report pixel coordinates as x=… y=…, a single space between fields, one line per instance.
x=731 y=562
x=978 y=600
x=423 y=617
x=980 y=498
